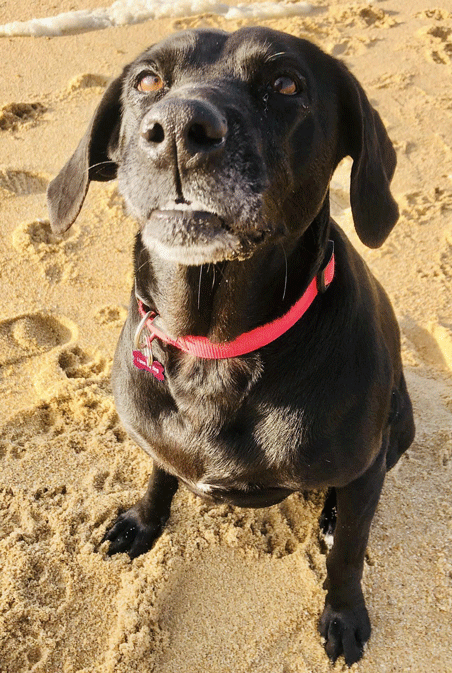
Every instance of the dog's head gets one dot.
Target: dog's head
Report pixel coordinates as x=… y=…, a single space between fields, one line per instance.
x=224 y=142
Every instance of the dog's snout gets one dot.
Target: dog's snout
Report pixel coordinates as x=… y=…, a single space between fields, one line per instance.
x=192 y=127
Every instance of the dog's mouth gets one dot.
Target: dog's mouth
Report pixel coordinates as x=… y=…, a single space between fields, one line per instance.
x=192 y=235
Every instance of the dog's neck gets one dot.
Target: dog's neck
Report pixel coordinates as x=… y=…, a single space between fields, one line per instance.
x=224 y=300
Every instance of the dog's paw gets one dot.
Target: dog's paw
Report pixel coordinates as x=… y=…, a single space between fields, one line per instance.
x=345 y=632
x=129 y=534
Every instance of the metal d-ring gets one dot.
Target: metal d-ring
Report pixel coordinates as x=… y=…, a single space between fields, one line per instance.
x=137 y=343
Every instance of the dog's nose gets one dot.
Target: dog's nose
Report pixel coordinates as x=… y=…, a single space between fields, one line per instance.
x=194 y=128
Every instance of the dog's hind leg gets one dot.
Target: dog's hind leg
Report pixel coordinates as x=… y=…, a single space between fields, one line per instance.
x=136 y=530
x=402 y=428
x=402 y=431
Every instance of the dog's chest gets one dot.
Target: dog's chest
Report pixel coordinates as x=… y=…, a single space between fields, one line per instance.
x=217 y=441
x=245 y=452
x=217 y=427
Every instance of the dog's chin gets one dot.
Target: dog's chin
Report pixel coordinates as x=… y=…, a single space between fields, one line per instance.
x=193 y=238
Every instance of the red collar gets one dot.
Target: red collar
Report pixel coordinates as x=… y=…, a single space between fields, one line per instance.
x=202 y=347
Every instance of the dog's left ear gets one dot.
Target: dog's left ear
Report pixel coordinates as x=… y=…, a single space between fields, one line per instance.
x=92 y=160
x=374 y=160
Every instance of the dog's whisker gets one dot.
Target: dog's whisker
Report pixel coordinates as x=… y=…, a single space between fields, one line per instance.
x=199 y=286
x=285 y=277
x=220 y=271
x=101 y=163
x=273 y=56
x=141 y=266
x=144 y=263
x=211 y=269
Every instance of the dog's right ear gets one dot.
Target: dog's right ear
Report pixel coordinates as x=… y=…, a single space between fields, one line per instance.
x=92 y=160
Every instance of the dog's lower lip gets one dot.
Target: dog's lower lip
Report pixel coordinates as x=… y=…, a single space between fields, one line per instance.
x=192 y=237
x=187 y=218
x=185 y=227
x=196 y=237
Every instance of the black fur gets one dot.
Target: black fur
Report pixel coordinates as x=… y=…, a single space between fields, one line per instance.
x=249 y=160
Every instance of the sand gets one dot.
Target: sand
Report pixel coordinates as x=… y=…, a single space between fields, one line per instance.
x=224 y=589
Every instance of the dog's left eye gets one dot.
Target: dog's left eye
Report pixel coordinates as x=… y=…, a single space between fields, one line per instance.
x=149 y=83
x=285 y=85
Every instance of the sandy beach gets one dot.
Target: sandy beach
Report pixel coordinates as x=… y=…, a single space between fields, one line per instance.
x=224 y=590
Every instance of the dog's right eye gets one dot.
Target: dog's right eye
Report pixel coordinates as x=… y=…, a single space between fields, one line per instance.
x=149 y=83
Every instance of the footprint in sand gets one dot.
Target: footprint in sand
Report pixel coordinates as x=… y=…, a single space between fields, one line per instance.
x=111 y=315
x=399 y=80
x=361 y=16
x=24 y=430
x=421 y=206
x=30 y=335
x=359 y=25
x=66 y=370
x=86 y=81
x=439 y=43
x=437 y=14
x=18 y=183
x=78 y=364
x=36 y=241
x=14 y=115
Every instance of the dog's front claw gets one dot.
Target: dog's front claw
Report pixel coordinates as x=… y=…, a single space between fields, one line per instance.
x=346 y=632
x=130 y=534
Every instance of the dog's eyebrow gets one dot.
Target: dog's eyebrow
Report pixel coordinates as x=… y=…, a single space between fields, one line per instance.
x=148 y=61
x=164 y=55
x=250 y=58
x=157 y=58
x=186 y=49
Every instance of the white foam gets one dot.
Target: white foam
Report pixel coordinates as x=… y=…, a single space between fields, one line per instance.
x=124 y=12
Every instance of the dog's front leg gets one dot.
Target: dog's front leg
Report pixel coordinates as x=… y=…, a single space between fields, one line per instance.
x=345 y=624
x=136 y=530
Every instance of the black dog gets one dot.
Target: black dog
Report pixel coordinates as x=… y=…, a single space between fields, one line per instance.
x=224 y=146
